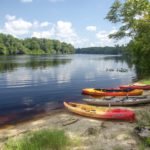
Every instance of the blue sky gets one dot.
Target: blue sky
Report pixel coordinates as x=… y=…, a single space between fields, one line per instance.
x=79 y=22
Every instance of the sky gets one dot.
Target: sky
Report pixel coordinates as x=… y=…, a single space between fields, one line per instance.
x=79 y=22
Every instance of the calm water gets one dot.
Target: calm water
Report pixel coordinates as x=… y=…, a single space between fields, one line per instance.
x=35 y=84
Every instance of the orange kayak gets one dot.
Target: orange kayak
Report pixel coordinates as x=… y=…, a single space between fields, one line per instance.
x=100 y=112
x=136 y=86
x=112 y=92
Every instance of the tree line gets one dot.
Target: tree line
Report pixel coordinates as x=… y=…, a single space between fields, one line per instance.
x=117 y=50
x=10 y=45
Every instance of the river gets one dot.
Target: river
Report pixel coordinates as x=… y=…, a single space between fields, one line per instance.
x=35 y=84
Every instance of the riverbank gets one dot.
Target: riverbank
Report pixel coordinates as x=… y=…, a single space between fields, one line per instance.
x=145 y=81
x=91 y=133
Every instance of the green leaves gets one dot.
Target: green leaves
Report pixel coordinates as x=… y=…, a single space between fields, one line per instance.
x=129 y=14
x=114 y=13
x=134 y=16
x=12 y=46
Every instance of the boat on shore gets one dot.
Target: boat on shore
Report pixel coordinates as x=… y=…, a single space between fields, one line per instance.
x=112 y=92
x=100 y=112
x=118 y=101
x=136 y=86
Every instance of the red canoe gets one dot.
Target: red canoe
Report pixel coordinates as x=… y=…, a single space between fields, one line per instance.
x=136 y=86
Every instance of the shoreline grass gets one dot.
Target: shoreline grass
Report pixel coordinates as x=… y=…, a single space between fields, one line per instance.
x=143 y=117
x=145 y=81
x=144 y=120
x=44 y=139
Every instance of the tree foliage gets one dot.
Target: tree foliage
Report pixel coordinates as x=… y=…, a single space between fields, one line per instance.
x=134 y=19
x=130 y=14
x=12 y=46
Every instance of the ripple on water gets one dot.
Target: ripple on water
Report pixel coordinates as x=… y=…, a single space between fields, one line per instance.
x=37 y=84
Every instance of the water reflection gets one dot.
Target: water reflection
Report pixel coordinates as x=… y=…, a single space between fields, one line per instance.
x=143 y=68
x=8 y=63
x=36 y=63
x=120 y=58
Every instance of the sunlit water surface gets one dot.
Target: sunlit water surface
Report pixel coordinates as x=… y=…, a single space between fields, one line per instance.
x=35 y=84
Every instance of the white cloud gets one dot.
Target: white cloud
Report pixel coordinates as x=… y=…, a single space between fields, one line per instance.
x=20 y=27
x=103 y=37
x=9 y=17
x=104 y=40
x=16 y=26
x=91 y=28
x=43 y=34
x=26 y=1
x=61 y=30
x=64 y=30
x=44 y=24
x=37 y=24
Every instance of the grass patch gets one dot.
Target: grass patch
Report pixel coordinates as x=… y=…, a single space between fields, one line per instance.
x=143 y=117
x=145 y=81
x=144 y=143
x=40 y=140
x=144 y=120
x=147 y=142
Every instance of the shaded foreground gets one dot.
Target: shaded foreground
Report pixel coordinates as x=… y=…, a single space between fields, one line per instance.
x=88 y=133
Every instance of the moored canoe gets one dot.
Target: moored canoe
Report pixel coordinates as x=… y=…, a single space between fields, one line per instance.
x=100 y=112
x=111 y=92
x=118 y=101
x=136 y=86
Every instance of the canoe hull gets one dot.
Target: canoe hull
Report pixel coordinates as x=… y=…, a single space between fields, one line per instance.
x=126 y=102
x=101 y=112
x=146 y=87
x=94 y=92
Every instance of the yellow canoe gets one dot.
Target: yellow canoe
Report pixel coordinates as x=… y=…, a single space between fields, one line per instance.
x=111 y=92
x=100 y=112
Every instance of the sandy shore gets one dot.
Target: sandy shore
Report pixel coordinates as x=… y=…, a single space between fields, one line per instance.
x=94 y=134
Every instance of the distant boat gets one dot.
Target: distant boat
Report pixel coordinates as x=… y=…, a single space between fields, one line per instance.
x=109 y=69
x=111 y=92
x=122 y=70
x=100 y=112
x=118 y=101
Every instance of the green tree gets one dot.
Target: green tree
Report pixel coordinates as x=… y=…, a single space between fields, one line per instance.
x=134 y=19
x=3 y=50
x=12 y=46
